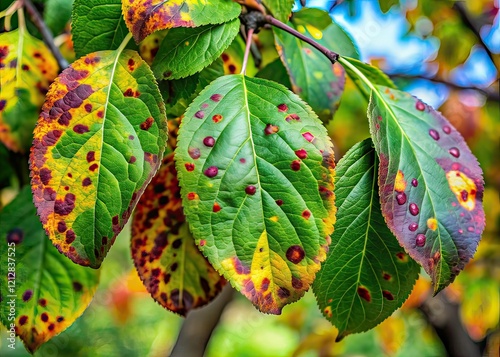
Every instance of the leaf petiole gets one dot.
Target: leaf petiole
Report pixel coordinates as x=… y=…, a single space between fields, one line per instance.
x=247 y=50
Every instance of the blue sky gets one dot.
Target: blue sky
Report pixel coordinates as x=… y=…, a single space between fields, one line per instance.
x=386 y=35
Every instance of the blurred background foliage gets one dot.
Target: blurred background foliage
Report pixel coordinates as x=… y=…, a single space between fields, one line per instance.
x=445 y=52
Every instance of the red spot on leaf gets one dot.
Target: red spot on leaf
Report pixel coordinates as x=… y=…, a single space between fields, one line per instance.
x=147 y=123
x=45 y=175
x=291 y=117
x=194 y=153
x=413 y=226
x=265 y=284
x=23 y=320
x=217 y=118
x=70 y=236
x=66 y=206
x=44 y=317
x=283 y=107
x=413 y=209
x=100 y=114
x=420 y=240
x=216 y=208
x=80 y=128
x=434 y=134
x=364 y=293
x=250 y=190
x=279 y=202
x=88 y=107
x=42 y=302
x=209 y=141
x=93 y=167
x=90 y=156
x=212 y=171
x=216 y=97
x=295 y=254
x=271 y=129
x=387 y=295
x=387 y=276
x=301 y=153
x=308 y=136
x=61 y=227
x=306 y=214
x=200 y=114
x=295 y=165
x=189 y=166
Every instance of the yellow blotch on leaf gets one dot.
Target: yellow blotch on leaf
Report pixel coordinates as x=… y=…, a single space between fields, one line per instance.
x=432 y=223
x=400 y=183
x=315 y=32
x=464 y=189
x=274 y=219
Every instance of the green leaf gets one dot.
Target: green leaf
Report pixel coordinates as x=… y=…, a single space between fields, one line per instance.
x=57 y=14
x=431 y=185
x=46 y=290
x=172 y=268
x=312 y=75
x=366 y=275
x=97 y=25
x=256 y=170
x=98 y=142
x=275 y=71
x=27 y=68
x=373 y=74
x=145 y=17
x=281 y=9
x=178 y=93
x=186 y=51
x=7 y=170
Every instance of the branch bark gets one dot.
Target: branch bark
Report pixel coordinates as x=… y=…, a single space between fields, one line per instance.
x=199 y=325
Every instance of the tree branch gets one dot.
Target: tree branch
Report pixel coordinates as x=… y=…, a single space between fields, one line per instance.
x=332 y=56
x=199 y=325
x=474 y=26
x=490 y=95
x=46 y=34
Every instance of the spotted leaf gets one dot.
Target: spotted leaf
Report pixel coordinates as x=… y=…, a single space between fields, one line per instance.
x=98 y=142
x=256 y=170
x=27 y=68
x=170 y=265
x=186 y=51
x=366 y=275
x=97 y=25
x=431 y=186
x=145 y=17
x=281 y=9
x=312 y=75
x=48 y=292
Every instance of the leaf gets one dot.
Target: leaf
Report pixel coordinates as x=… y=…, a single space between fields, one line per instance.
x=275 y=71
x=150 y=45
x=312 y=75
x=374 y=75
x=186 y=51
x=57 y=14
x=145 y=17
x=48 y=292
x=98 y=142
x=366 y=275
x=172 y=268
x=97 y=25
x=232 y=58
x=431 y=186
x=256 y=170
x=26 y=69
x=281 y=9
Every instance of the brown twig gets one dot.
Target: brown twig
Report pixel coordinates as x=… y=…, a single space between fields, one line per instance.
x=474 y=27
x=332 y=56
x=46 y=34
x=491 y=95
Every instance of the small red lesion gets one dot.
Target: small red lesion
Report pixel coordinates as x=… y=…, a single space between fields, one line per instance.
x=364 y=293
x=145 y=125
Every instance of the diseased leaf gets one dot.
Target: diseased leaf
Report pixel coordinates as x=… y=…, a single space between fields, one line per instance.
x=27 y=68
x=97 y=25
x=281 y=9
x=98 y=142
x=149 y=47
x=172 y=268
x=366 y=275
x=375 y=76
x=50 y=292
x=57 y=14
x=256 y=170
x=431 y=186
x=312 y=75
x=145 y=17
x=186 y=51
x=232 y=58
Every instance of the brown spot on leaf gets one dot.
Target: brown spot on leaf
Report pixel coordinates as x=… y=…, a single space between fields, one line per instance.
x=387 y=295
x=295 y=254
x=77 y=286
x=90 y=156
x=66 y=206
x=70 y=236
x=15 y=235
x=42 y=302
x=45 y=175
x=147 y=123
x=27 y=295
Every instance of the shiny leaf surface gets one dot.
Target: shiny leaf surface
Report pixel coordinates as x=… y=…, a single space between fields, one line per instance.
x=431 y=186
x=256 y=170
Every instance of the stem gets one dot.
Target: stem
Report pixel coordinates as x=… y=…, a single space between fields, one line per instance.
x=332 y=56
x=46 y=34
x=247 y=51
x=9 y=12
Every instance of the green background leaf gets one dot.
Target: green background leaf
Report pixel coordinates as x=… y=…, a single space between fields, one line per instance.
x=49 y=290
x=186 y=51
x=281 y=9
x=169 y=263
x=366 y=275
x=256 y=170
x=97 y=25
x=98 y=142
x=431 y=185
x=57 y=14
